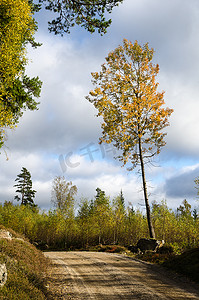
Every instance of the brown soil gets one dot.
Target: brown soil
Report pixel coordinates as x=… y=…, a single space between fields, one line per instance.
x=94 y=275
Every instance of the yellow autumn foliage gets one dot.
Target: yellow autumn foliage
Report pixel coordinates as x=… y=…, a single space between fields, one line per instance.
x=126 y=96
x=16 y=29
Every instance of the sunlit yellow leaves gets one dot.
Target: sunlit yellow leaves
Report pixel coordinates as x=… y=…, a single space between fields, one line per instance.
x=16 y=29
x=126 y=97
x=17 y=26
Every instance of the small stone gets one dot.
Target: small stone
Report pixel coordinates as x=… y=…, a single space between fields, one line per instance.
x=4 y=234
x=3 y=274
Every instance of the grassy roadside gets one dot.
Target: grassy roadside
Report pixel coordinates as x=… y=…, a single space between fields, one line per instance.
x=186 y=263
x=26 y=267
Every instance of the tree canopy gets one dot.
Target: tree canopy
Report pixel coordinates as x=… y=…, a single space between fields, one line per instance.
x=90 y=14
x=126 y=96
x=17 y=28
x=17 y=90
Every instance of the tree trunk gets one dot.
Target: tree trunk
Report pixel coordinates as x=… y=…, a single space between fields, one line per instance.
x=150 y=225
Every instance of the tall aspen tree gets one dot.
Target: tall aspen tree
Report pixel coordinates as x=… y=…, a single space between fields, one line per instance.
x=126 y=96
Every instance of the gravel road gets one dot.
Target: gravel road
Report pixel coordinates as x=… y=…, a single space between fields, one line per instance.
x=94 y=275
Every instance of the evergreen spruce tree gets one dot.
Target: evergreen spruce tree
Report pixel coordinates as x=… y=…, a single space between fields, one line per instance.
x=101 y=213
x=122 y=199
x=24 y=187
x=100 y=198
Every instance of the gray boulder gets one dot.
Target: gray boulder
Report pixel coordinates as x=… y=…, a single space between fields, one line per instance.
x=3 y=274
x=149 y=244
x=4 y=234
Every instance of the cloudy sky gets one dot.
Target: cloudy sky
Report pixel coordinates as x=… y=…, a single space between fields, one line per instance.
x=61 y=138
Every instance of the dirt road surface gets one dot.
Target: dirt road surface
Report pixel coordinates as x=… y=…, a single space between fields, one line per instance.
x=94 y=275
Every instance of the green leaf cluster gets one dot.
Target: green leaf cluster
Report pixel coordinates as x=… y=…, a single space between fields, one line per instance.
x=17 y=90
x=90 y=14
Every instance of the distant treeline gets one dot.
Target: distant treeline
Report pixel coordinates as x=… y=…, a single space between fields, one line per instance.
x=101 y=221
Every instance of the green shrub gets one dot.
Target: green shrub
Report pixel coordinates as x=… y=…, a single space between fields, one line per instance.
x=108 y=248
x=165 y=249
x=154 y=257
